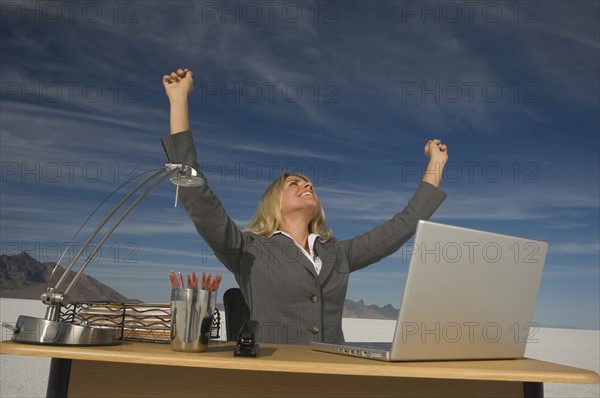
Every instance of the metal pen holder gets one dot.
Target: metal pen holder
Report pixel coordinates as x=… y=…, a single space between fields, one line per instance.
x=191 y=319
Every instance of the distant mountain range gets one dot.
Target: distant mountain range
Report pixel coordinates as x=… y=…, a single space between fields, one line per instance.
x=22 y=276
x=358 y=309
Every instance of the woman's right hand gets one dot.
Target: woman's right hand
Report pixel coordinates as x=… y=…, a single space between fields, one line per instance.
x=178 y=85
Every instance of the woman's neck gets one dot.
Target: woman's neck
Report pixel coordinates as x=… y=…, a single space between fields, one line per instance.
x=298 y=232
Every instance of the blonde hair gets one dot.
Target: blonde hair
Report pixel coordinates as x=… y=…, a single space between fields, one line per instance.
x=268 y=216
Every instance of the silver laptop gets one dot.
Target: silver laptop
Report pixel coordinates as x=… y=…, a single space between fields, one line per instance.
x=469 y=295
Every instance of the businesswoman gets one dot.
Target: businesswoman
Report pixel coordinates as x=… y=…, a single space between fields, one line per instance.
x=292 y=272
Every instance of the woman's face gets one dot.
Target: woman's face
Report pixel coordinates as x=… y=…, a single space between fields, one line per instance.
x=299 y=196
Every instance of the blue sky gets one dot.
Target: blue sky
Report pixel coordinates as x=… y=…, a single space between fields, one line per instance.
x=345 y=92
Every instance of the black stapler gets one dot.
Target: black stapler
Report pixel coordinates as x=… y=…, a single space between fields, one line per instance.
x=246 y=344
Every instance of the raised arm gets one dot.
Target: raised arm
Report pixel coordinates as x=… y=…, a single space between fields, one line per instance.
x=204 y=208
x=387 y=238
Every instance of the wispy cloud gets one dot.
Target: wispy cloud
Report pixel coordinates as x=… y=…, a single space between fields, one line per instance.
x=580 y=248
x=565 y=271
x=291 y=152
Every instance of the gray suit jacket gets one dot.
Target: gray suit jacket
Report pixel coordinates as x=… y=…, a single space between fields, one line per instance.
x=291 y=302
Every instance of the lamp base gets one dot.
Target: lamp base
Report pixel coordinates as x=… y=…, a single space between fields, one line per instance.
x=31 y=330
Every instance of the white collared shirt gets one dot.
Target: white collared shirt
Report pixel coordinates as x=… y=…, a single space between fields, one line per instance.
x=314 y=259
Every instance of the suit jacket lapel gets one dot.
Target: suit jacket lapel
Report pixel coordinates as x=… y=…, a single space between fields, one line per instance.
x=289 y=246
x=327 y=254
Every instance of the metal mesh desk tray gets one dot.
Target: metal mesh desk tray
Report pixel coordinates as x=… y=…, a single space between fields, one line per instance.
x=134 y=322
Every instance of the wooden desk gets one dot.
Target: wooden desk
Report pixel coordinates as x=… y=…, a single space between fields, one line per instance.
x=154 y=370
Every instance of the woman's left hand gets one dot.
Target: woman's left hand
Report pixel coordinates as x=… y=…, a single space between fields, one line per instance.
x=437 y=153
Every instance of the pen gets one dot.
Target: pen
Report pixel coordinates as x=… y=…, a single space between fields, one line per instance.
x=194 y=280
x=208 y=282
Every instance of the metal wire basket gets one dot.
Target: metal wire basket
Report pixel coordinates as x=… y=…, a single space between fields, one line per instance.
x=133 y=322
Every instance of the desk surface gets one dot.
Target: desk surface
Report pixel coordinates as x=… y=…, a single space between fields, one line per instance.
x=302 y=359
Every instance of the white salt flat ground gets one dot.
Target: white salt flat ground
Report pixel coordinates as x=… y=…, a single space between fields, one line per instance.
x=27 y=377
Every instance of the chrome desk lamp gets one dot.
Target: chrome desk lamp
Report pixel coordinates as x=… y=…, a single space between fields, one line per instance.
x=51 y=330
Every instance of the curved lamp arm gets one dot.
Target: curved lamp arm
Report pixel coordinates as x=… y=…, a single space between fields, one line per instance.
x=179 y=174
